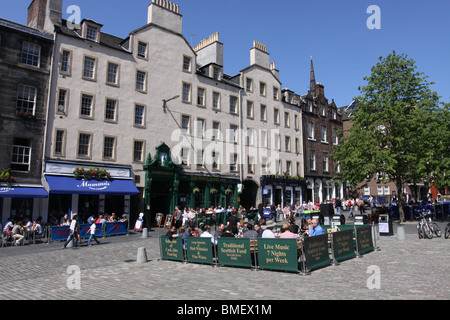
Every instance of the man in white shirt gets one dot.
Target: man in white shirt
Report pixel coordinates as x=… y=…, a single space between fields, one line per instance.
x=268 y=234
x=72 y=232
x=207 y=234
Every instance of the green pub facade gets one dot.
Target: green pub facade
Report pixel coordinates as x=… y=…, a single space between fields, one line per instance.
x=169 y=185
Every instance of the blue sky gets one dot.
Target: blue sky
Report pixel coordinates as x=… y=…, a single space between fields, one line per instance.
x=333 y=32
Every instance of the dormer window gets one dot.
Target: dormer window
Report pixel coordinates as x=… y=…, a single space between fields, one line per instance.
x=91 y=33
x=91 y=30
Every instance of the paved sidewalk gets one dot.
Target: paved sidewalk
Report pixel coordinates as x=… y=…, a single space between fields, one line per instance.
x=412 y=269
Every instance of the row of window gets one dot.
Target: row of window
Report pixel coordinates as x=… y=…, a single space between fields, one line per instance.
x=332 y=112
x=262 y=88
x=234 y=106
x=87 y=107
x=252 y=136
x=323 y=136
x=381 y=190
x=215 y=161
x=325 y=162
x=84 y=146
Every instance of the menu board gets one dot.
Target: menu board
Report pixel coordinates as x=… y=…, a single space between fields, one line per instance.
x=168 y=222
x=234 y=252
x=278 y=254
x=159 y=219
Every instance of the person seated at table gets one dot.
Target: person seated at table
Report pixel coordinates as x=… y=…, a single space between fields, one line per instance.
x=259 y=230
x=184 y=234
x=293 y=227
x=250 y=233
x=316 y=229
x=112 y=217
x=268 y=233
x=172 y=233
x=194 y=232
x=228 y=232
x=287 y=212
x=304 y=226
x=287 y=234
x=220 y=230
x=16 y=233
x=207 y=234
x=37 y=229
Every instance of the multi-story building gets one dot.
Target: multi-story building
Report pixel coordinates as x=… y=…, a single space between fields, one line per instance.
x=25 y=64
x=164 y=120
x=321 y=124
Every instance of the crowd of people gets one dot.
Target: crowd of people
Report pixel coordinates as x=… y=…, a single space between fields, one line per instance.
x=239 y=227
x=19 y=230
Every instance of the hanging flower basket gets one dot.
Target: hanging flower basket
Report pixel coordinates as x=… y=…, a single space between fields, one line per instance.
x=228 y=192
x=196 y=190
x=91 y=174
x=7 y=178
x=213 y=191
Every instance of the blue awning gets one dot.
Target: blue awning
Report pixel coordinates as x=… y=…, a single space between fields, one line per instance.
x=70 y=185
x=22 y=192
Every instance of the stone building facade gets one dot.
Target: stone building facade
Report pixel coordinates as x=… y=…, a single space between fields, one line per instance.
x=25 y=64
x=167 y=124
x=321 y=126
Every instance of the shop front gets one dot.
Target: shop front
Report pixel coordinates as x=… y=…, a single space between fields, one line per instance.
x=282 y=190
x=168 y=185
x=99 y=189
x=21 y=202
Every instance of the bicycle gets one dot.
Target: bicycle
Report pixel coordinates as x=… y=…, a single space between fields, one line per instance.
x=426 y=227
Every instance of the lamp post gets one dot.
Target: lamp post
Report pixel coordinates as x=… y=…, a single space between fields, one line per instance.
x=165 y=102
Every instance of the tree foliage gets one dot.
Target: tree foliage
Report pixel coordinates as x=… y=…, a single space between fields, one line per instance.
x=399 y=133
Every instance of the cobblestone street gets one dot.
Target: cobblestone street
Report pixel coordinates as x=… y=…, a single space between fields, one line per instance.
x=411 y=269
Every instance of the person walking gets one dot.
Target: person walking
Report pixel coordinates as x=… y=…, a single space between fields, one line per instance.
x=74 y=226
x=92 y=236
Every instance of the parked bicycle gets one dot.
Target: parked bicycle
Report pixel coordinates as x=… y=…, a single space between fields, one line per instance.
x=426 y=227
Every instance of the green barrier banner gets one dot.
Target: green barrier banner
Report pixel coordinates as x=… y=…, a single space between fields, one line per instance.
x=316 y=251
x=234 y=252
x=199 y=250
x=171 y=249
x=364 y=242
x=343 y=247
x=204 y=218
x=278 y=254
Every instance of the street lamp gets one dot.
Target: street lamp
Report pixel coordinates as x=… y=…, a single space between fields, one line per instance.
x=165 y=102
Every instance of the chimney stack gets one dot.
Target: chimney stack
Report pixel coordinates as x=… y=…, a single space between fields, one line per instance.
x=44 y=15
x=165 y=14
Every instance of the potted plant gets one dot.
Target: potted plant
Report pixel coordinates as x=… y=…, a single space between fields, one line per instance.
x=213 y=191
x=196 y=190
x=228 y=192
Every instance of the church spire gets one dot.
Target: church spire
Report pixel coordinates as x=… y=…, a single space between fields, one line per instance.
x=313 y=79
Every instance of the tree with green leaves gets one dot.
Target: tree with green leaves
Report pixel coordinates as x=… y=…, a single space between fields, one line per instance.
x=398 y=131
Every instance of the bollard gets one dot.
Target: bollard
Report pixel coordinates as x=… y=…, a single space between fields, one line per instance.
x=401 y=234
x=145 y=233
x=141 y=255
